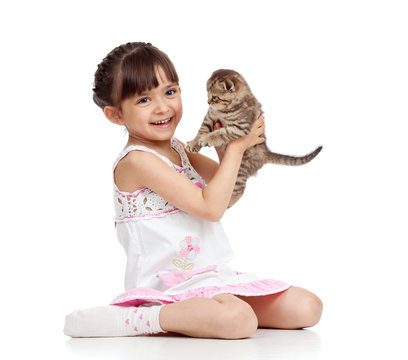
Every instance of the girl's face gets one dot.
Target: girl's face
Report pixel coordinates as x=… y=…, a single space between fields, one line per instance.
x=155 y=114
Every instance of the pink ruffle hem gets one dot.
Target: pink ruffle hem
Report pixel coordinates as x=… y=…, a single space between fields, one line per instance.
x=140 y=296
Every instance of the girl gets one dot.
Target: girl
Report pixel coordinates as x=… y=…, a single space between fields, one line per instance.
x=168 y=206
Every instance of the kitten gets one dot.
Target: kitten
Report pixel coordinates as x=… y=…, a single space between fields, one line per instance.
x=235 y=108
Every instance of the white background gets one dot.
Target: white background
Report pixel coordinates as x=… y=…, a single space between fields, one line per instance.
x=327 y=72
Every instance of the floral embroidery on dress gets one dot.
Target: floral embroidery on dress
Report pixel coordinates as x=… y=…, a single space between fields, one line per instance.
x=189 y=249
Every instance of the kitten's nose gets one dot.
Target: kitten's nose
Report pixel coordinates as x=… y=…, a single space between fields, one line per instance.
x=209 y=101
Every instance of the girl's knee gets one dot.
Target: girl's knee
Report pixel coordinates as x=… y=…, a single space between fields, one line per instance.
x=237 y=321
x=310 y=308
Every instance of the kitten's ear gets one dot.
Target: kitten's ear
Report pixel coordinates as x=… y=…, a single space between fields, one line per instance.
x=229 y=85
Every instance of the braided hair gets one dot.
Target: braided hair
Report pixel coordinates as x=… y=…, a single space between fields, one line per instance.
x=130 y=69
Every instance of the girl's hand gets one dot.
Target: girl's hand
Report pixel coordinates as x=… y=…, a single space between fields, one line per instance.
x=253 y=138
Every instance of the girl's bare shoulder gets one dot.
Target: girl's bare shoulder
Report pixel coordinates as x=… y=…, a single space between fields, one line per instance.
x=126 y=171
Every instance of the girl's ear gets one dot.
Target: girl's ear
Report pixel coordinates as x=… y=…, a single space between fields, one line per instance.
x=113 y=114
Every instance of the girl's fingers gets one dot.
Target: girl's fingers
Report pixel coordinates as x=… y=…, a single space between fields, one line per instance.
x=260 y=140
x=259 y=122
x=256 y=125
x=261 y=128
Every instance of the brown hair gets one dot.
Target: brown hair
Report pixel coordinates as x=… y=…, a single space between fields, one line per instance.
x=130 y=69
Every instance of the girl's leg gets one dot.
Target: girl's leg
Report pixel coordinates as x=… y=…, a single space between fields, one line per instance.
x=294 y=308
x=224 y=316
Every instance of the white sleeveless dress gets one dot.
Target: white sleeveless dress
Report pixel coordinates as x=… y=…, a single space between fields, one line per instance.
x=171 y=255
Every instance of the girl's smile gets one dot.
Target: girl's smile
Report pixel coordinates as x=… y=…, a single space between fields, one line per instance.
x=163 y=123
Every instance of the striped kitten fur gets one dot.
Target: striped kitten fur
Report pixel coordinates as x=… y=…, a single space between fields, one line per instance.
x=235 y=108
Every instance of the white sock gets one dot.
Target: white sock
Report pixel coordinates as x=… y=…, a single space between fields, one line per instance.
x=106 y=321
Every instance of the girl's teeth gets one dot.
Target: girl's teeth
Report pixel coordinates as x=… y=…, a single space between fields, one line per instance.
x=161 y=122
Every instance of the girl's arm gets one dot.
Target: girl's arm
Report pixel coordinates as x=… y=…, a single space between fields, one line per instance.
x=205 y=166
x=210 y=203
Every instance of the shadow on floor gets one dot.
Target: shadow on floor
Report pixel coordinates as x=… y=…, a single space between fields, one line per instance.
x=265 y=343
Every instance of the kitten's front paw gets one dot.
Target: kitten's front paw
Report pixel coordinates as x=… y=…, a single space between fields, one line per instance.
x=202 y=143
x=210 y=141
x=193 y=146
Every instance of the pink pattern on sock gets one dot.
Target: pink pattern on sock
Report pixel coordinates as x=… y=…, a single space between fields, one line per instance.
x=148 y=323
x=127 y=321
x=136 y=328
x=141 y=317
x=135 y=311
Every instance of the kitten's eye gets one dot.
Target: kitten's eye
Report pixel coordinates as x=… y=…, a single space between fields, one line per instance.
x=214 y=98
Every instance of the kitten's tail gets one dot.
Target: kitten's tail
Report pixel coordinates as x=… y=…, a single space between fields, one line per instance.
x=279 y=159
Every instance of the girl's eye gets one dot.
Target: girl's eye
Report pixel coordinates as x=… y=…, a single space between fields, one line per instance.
x=171 y=92
x=143 y=101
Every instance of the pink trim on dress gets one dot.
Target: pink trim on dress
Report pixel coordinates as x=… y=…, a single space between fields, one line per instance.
x=130 y=195
x=139 y=296
x=144 y=215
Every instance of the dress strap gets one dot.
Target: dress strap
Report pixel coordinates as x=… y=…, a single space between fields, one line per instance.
x=178 y=146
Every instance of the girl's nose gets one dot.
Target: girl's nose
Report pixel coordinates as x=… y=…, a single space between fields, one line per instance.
x=161 y=106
